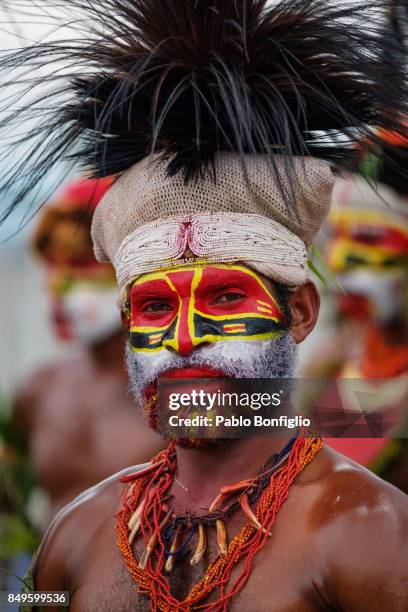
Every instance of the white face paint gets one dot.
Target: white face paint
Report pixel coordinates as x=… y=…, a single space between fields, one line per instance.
x=92 y=314
x=385 y=290
x=274 y=358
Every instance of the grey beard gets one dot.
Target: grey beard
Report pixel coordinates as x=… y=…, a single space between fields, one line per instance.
x=239 y=359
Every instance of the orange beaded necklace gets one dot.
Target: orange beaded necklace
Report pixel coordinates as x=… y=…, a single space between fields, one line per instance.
x=143 y=510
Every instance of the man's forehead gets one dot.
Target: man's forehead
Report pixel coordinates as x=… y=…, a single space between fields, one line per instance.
x=211 y=273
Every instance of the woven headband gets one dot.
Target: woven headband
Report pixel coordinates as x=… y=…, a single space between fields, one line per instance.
x=261 y=243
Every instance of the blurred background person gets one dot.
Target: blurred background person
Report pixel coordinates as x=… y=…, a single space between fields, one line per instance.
x=76 y=415
x=366 y=248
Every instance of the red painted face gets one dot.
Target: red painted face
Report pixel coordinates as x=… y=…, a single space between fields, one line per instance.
x=182 y=308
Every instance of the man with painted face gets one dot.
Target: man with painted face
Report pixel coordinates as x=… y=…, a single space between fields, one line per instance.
x=82 y=291
x=76 y=415
x=367 y=249
x=219 y=116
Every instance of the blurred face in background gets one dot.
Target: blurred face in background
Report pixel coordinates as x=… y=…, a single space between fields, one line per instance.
x=368 y=252
x=82 y=292
x=83 y=302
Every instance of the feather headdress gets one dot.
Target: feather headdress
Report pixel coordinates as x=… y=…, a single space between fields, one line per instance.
x=186 y=81
x=188 y=78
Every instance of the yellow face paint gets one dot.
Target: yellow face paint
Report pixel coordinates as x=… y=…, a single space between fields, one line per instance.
x=365 y=238
x=181 y=308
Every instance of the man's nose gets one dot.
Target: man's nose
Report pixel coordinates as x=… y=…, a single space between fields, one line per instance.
x=184 y=340
x=184 y=346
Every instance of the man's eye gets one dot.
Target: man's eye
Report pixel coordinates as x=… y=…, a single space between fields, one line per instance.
x=229 y=297
x=157 y=307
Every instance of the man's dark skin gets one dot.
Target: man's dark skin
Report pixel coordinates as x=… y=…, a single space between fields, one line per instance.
x=339 y=541
x=80 y=422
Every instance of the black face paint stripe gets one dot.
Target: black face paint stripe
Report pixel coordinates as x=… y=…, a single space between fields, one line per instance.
x=204 y=326
x=144 y=340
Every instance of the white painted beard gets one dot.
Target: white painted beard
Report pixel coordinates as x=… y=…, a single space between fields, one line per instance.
x=274 y=358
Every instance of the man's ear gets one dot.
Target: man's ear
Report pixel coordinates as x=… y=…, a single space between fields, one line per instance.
x=304 y=304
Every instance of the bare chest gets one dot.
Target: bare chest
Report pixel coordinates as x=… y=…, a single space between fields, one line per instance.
x=281 y=580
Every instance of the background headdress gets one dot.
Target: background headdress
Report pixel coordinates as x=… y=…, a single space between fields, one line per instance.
x=166 y=90
x=74 y=205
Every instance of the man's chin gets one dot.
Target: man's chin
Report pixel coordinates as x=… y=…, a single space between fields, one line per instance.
x=197 y=442
x=180 y=376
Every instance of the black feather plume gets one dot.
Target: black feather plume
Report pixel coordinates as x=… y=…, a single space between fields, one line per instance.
x=188 y=78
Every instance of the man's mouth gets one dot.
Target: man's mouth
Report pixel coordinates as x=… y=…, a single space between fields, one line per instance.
x=175 y=374
x=193 y=372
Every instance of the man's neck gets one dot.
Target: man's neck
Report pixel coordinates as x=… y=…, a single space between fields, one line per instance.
x=202 y=471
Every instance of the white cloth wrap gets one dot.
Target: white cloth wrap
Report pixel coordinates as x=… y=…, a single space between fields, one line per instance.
x=263 y=244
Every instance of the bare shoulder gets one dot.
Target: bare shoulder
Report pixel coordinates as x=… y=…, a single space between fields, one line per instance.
x=29 y=394
x=34 y=384
x=353 y=493
x=362 y=522
x=68 y=537
x=33 y=387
